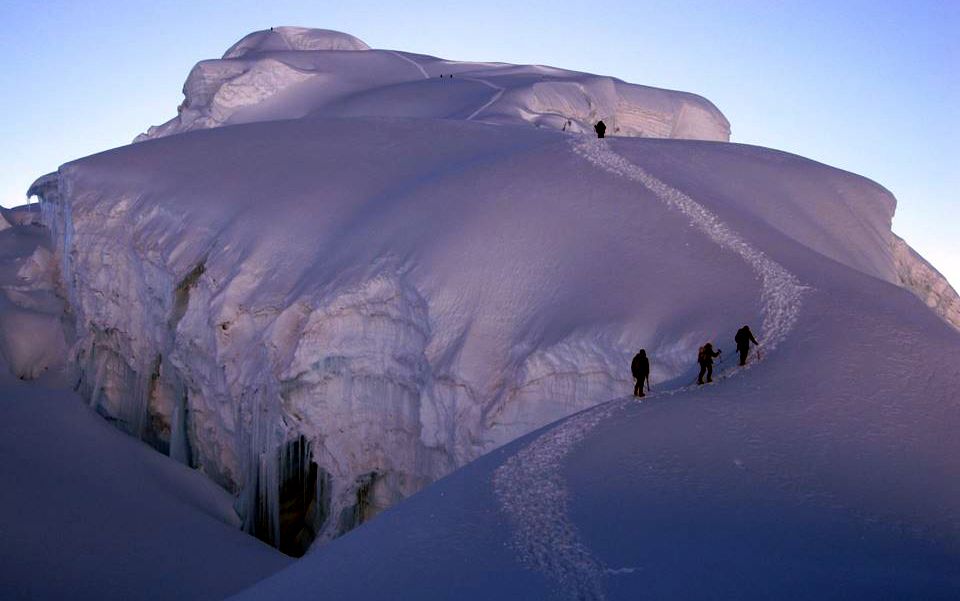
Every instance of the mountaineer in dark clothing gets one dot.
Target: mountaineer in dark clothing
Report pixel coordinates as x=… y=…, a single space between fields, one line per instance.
x=600 y=128
x=705 y=358
x=743 y=339
x=640 y=367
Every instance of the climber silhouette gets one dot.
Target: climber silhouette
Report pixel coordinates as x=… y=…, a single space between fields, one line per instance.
x=705 y=358
x=640 y=367
x=743 y=339
x=600 y=128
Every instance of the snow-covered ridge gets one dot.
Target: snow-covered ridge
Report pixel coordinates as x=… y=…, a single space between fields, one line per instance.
x=290 y=72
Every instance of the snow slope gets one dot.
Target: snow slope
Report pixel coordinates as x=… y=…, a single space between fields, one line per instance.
x=88 y=512
x=292 y=72
x=827 y=470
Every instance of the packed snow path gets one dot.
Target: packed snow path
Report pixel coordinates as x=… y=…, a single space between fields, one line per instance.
x=498 y=92
x=780 y=291
x=532 y=491
x=407 y=59
x=530 y=485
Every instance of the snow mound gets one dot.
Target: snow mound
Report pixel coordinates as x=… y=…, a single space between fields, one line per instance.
x=297 y=39
x=405 y=295
x=260 y=79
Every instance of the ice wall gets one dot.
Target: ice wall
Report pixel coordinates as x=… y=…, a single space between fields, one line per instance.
x=288 y=73
x=921 y=278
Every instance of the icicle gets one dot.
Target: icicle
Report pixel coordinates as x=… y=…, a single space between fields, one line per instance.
x=179 y=443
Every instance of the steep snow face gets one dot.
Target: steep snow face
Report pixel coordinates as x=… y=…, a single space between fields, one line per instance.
x=289 y=72
x=296 y=39
x=407 y=294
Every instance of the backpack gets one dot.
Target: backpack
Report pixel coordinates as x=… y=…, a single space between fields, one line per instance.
x=702 y=354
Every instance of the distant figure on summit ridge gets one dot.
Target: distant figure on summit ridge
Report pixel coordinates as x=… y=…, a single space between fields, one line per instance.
x=600 y=128
x=640 y=367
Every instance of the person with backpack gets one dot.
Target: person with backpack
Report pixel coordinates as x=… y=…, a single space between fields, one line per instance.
x=600 y=128
x=743 y=339
x=705 y=358
x=640 y=367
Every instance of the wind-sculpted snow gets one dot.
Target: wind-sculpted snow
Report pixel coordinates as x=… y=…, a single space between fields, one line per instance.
x=781 y=292
x=289 y=73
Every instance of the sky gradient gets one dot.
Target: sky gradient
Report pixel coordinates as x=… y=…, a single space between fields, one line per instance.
x=870 y=87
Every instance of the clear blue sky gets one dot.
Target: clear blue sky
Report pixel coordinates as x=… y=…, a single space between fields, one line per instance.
x=869 y=86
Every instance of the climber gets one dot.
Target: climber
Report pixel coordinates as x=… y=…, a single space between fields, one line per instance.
x=743 y=339
x=640 y=367
x=705 y=358
x=600 y=128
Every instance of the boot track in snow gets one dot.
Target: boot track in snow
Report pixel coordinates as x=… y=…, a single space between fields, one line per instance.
x=530 y=485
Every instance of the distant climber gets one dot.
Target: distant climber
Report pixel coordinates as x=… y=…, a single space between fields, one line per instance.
x=743 y=339
x=600 y=128
x=640 y=367
x=705 y=358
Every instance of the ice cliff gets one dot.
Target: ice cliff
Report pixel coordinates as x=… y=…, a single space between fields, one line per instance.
x=377 y=275
x=34 y=334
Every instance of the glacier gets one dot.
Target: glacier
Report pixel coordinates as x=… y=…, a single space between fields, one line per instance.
x=336 y=277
